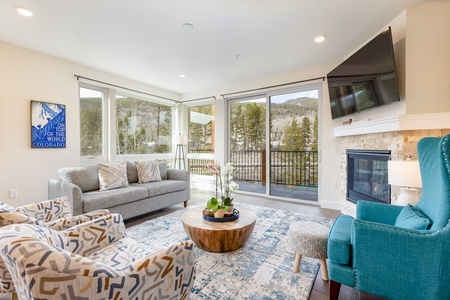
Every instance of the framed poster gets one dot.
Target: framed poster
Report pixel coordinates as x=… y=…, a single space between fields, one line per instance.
x=48 y=125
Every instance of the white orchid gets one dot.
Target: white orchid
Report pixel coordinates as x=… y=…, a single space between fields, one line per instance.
x=223 y=180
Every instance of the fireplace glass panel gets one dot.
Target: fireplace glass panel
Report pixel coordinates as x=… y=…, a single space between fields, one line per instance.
x=367 y=176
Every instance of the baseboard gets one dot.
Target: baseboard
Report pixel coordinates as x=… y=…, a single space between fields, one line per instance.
x=330 y=205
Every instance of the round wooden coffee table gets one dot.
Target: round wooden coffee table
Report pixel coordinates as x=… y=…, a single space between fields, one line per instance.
x=218 y=236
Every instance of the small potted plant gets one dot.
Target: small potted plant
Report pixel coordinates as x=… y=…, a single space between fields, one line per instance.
x=224 y=184
x=218 y=208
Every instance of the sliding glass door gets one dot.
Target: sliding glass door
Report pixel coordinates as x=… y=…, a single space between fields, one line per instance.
x=273 y=142
x=247 y=135
x=293 y=151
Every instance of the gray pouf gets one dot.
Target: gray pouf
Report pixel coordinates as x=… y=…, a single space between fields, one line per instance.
x=309 y=239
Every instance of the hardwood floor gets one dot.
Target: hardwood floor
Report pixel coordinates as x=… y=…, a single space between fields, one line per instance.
x=320 y=288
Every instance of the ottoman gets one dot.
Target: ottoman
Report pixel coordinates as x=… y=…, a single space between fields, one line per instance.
x=309 y=239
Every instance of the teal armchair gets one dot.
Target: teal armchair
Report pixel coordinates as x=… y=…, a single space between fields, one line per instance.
x=394 y=251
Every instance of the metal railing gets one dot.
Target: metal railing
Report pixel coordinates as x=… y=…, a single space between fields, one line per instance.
x=197 y=166
x=298 y=168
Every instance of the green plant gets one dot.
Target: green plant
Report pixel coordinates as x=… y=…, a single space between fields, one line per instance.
x=223 y=182
x=213 y=205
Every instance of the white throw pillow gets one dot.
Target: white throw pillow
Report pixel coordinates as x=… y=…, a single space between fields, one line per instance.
x=148 y=170
x=112 y=175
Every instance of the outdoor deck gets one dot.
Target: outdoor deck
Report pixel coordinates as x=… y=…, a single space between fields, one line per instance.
x=278 y=190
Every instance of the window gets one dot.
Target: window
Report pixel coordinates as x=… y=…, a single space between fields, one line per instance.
x=91 y=122
x=200 y=137
x=142 y=127
x=115 y=124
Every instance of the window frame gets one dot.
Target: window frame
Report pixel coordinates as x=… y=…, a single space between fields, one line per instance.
x=109 y=107
x=88 y=159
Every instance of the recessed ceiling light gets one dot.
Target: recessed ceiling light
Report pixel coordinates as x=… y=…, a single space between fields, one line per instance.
x=320 y=38
x=23 y=11
x=188 y=27
x=182 y=75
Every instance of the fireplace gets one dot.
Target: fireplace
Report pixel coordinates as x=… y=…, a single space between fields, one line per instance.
x=367 y=175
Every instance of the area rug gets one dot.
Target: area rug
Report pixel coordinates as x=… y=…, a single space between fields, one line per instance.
x=261 y=269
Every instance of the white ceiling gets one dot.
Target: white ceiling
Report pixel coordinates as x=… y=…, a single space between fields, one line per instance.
x=144 y=40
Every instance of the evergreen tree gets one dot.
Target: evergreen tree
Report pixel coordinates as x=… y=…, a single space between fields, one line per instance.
x=91 y=126
x=237 y=126
x=255 y=126
x=291 y=140
x=305 y=134
x=315 y=134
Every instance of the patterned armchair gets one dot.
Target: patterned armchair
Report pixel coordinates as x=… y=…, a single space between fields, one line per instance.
x=399 y=252
x=94 y=260
x=54 y=214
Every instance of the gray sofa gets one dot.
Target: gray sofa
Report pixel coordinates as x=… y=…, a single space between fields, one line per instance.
x=81 y=185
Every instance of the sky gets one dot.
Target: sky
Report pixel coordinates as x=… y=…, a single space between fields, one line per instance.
x=285 y=97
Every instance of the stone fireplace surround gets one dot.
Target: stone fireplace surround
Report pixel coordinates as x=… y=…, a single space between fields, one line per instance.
x=402 y=144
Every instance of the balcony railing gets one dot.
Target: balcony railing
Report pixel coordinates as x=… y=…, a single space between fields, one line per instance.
x=298 y=168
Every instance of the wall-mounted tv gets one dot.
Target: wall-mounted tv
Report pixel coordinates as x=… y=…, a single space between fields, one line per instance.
x=366 y=79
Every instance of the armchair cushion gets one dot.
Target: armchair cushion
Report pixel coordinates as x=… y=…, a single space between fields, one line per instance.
x=339 y=240
x=412 y=218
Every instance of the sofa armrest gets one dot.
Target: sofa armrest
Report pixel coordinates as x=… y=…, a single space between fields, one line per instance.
x=184 y=175
x=59 y=188
x=377 y=212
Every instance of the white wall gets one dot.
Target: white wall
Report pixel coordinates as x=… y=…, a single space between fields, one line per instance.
x=428 y=58
x=26 y=75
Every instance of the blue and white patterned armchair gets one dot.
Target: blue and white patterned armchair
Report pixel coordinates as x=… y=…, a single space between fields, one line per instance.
x=94 y=260
x=399 y=252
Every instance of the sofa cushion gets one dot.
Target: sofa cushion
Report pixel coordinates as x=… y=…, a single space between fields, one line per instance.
x=132 y=173
x=339 y=240
x=163 y=170
x=148 y=170
x=112 y=175
x=103 y=200
x=157 y=188
x=86 y=178
x=412 y=218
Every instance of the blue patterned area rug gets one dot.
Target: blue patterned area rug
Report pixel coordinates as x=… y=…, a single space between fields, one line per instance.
x=261 y=269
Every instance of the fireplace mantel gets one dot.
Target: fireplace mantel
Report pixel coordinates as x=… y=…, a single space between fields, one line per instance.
x=396 y=123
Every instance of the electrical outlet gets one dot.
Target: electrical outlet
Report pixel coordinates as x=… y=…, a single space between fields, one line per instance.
x=334 y=185
x=12 y=194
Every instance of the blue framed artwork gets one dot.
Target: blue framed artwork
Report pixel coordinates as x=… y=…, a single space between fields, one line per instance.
x=48 y=125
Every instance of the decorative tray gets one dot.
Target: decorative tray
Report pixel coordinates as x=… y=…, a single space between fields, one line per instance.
x=234 y=216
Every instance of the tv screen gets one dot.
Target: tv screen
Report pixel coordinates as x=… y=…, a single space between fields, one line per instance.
x=366 y=79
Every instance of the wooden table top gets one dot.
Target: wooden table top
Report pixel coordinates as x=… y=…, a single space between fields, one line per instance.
x=194 y=218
